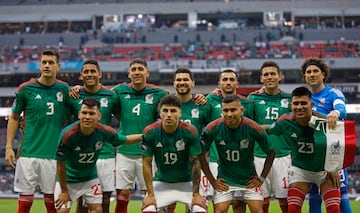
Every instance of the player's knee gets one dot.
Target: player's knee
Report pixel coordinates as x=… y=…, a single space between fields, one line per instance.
x=198 y=209
x=149 y=209
x=123 y=197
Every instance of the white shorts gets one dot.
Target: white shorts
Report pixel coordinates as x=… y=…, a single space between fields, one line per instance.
x=169 y=193
x=209 y=190
x=296 y=174
x=276 y=180
x=106 y=173
x=90 y=191
x=238 y=193
x=128 y=167
x=31 y=170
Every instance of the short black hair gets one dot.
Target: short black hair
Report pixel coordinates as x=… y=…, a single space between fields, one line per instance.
x=91 y=61
x=228 y=71
x=270 y=64
x=301 y=91
x=91 y=102
x=138 y=61
x=230 y=98
x=51 y=52
x=184 y=70
x=170 y=100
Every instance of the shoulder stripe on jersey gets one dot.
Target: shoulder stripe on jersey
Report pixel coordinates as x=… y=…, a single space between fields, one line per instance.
x=152 y=126
x=31 y=81
x=156 y=87
x=105 y=127
x=214 y=123
x=61 y=82
x=188 y=127
x=252 y=124
x=71 y=131
x=286 y=117
x=102 y=87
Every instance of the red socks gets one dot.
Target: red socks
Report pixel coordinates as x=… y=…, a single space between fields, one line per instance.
x=295 y=200
x=25 y=203
x=49 y=203
x=332 y=200
x=121 y=204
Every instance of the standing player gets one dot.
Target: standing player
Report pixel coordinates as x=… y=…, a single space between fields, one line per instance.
x=234 y=137
x=270 y=104
x=228 y=82
x=138 y=108
x=109 y=104
x=175 y=147
x=197 y=115
x=42 y=101
x=331 y=102
x=295 y=129
x=78 y=150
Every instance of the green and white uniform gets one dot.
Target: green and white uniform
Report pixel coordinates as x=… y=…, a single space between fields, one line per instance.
x=137 y=110
x=235 y=148
x=172 y=154
x=109 y=105
x=44 y=109
x=268 y=108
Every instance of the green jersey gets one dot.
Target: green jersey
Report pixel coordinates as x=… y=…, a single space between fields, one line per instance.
x=81 y=152
x=172 y=152
x=235 y=148
x=268 y=108
x=44 y=110
x=216 y=112
x=137 y=110
x=301 y=141
x=197 y=115
x=109 y=105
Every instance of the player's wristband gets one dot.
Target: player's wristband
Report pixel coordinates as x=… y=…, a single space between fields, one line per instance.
x=262 y=179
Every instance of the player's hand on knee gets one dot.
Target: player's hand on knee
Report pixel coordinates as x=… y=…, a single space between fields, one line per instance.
x=63 y=199
x=198 y=200
x=148 y=201
x=220 y=185
x=334 y=178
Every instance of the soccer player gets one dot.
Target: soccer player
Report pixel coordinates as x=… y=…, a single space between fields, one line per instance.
x=270 y=103
x=43 y=102
x=228 y=82
x=109 y=104
x=79 y=147
x=234 y=137
x=175 y=147
x=304 y=171
x=192 y=113
x=329 y=101
x=138 y=108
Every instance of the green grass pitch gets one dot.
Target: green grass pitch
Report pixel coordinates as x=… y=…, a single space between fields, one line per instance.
x=10 y=206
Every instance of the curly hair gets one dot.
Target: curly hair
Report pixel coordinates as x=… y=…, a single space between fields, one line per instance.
x=317 y=62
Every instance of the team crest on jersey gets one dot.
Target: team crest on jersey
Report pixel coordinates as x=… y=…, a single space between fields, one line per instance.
x=244 y=144
x=180 y=145
x=195 y=113
x=104 y=102
x=284 y=103
x=149 y=99
x=335 y=148
x=59 y=97
x=98 y=145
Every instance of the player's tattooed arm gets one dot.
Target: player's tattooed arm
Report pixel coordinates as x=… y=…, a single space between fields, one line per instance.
x=196 y=173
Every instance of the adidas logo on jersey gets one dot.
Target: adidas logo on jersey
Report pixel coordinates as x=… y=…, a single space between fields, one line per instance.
x=262 y=102
x=222 y=143
x=218 y=106
x=77 y=148
x=37 y=96
x=293 y=135
x=127 y=96
x=159 y=145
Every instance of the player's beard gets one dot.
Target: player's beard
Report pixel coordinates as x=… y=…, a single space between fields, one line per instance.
x=183 y=91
